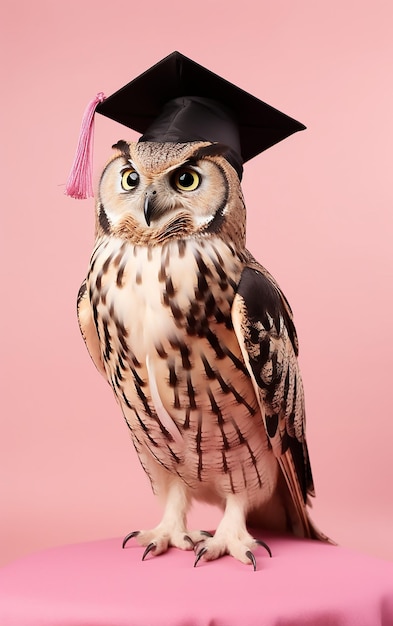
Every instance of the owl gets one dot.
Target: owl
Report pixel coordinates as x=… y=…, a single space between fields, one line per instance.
x=198 y=343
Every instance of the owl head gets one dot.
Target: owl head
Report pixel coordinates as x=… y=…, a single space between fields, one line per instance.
x=152 y=192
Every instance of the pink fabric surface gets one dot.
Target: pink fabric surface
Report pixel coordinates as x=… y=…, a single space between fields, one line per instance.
x=99 y=584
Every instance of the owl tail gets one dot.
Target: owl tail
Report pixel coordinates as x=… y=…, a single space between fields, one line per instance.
x=79 y=184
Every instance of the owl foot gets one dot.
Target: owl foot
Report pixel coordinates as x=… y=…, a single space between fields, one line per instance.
x=158 y=540
x=239 y=547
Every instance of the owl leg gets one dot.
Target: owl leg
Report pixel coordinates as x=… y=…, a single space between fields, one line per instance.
x=231 y=536
x=172 y=530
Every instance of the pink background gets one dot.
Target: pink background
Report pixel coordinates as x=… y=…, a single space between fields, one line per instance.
x=319 y=218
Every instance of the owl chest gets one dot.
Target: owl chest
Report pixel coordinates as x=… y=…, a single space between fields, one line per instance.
x=147 y=297
x=163 y=317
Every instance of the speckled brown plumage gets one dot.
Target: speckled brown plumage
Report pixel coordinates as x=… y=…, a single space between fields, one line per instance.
x=198 y=344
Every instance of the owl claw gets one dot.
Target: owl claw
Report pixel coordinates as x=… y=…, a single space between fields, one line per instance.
x=150 y=548
x=264 y=545
x=250 y=555
x=134 y=533
x=199 y=556
x=206 y=533
x=190 y=541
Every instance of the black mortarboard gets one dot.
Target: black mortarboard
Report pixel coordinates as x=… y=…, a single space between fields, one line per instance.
x=179 y=100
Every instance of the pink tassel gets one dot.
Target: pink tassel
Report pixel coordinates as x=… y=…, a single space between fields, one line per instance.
x=79 y=184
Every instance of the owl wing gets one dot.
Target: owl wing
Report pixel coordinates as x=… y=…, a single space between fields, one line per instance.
x=88 y=328
x=262 y=320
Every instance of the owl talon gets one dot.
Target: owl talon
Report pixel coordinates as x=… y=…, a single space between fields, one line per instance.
x=250 y=555
x=150 y=548
x=134 y=533
x=264 y=545
x=199 y=556
x=206 y=533
x=190 y=541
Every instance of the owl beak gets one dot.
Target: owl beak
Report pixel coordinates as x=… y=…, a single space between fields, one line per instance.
x=148 y=208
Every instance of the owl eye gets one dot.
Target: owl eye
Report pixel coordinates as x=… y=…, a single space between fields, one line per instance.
x=186 y=179
x=129 y=179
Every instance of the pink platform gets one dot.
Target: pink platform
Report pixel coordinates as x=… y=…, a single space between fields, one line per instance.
x=99 y=584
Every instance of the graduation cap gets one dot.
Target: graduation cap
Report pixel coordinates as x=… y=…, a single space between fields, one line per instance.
x=179 y=100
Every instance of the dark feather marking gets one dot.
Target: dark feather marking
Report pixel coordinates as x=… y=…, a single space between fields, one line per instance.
x=176 y=400
x=199 y=446
x=195 y=308
x=220 y=419
x=215 y=344
x=172 y=376
x=203 y=268
x=202 y=287
x=120 y=274
x=224 y=386
x=184 y=352
x=231 y=482
x=108 y=261
x=143 y=398
x=285 y=442
x=176 y=311
x=219 y=315
x=123 y=342
x=119 y=375
x=174 y=456
x=232 y=283
x=135 y=360
x=121 y=329
x=181 y=244
x=159 y=460
x=237 y=362
x=121 y=362
x=161 y=352
x=119 y=257
x=239 y=433
x=107 y=336
x=286 y=388
x=224 y=462
x=254 y=462
x=230 y=248
x=191 y=392
x=162 y=275
x=271 y=424
x=103 y=297
x=127 y=402
x=239 y=398
x=150 y=413
x=186 y=424
x=137 y=378
x=244 y=477
x=138 y=278
x=208 y=368
x=210 y=306
x=169 y=287
x=103 y=220
x=292 y=415
x=219 y=267
x=302 y=465
x=81 y=292
x=192 y=324
x=99 y=280
x=116 y=382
